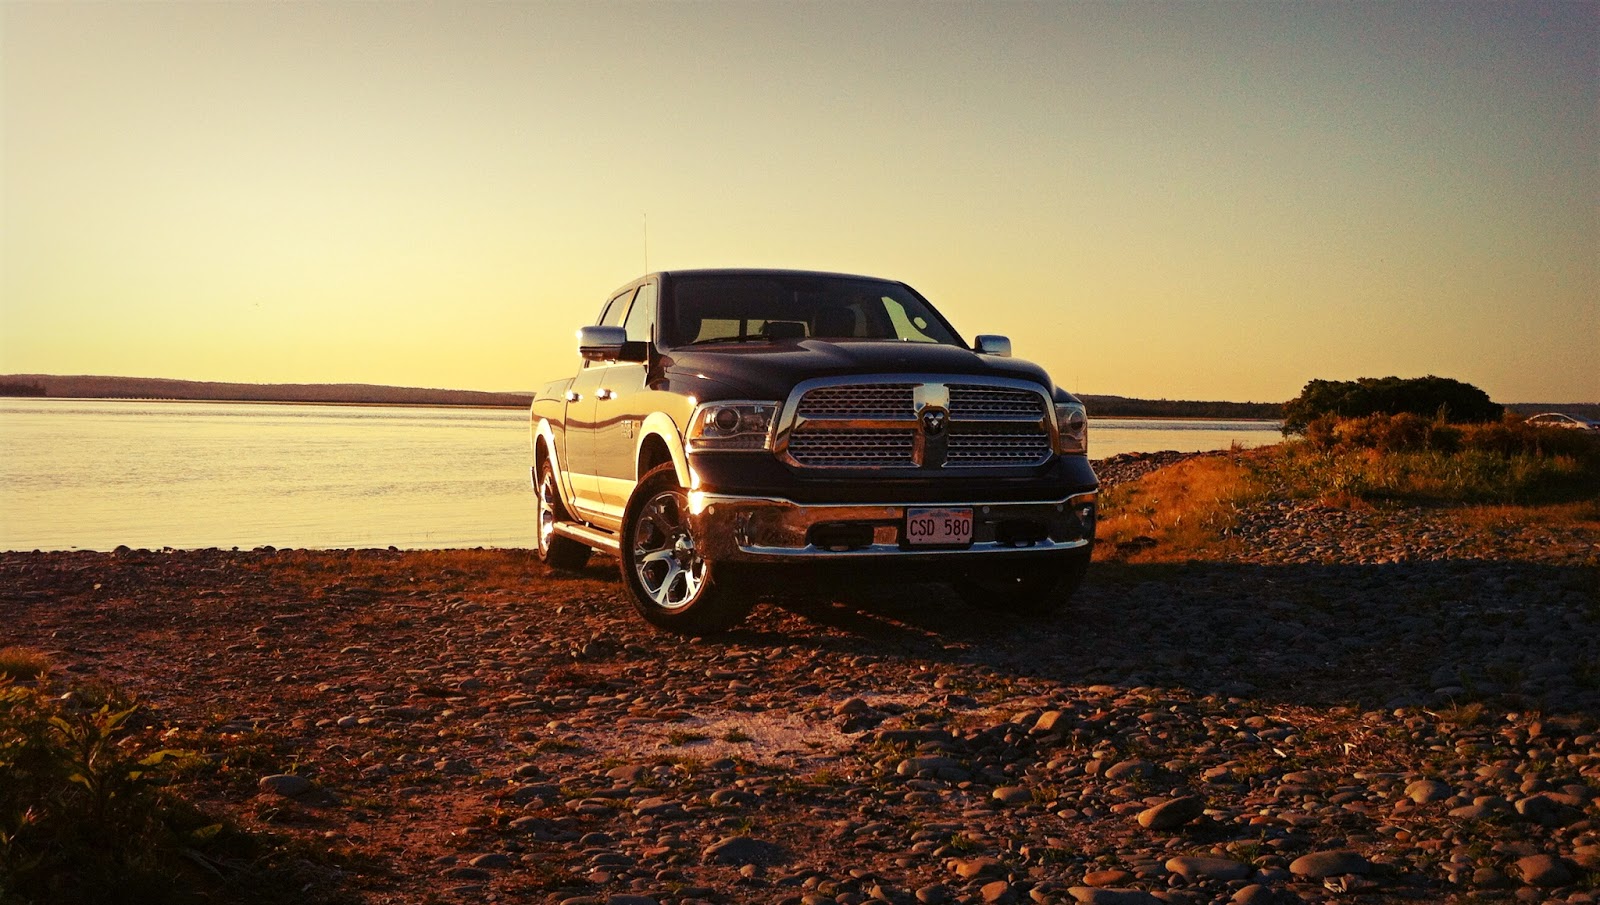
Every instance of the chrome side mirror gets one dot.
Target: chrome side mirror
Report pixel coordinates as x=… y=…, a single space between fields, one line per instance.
x=601 y=343
x=993 y=345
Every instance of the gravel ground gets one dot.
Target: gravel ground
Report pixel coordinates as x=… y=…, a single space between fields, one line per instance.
x=1389 y=704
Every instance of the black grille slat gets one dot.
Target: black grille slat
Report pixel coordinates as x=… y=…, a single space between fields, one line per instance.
x=870 y=400
x=997 y=449
x=994 y=402
x=871 y=448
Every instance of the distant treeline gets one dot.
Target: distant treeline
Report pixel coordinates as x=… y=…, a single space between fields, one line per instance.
x=1123 y=407
x=21 y=389
x=84 y=387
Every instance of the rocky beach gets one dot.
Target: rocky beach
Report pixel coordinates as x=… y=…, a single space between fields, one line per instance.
x=1395 y=704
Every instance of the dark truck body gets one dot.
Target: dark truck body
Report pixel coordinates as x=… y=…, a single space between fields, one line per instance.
x=728 y=420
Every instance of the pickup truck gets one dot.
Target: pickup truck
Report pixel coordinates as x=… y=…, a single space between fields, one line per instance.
x=727 y=424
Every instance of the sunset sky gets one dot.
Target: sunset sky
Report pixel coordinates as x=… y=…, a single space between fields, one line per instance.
x=1178 y=200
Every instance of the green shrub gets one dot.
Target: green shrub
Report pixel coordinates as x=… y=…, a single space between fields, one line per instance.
x=1439 y=398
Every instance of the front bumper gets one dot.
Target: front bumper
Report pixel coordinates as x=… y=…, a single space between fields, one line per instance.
x=730 y=528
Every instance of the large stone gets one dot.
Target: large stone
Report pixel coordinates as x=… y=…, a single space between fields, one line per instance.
x=932 y=764
x=1092 y=895
x=739 y=850
x=968 y=868
x=1424 y=791
x=1048 y=722
x=1544 y=871
x=1013 y=795
x=1318 y=865
x=287 y=785
x=1549 y=809
x=998 y=892
x=1130 y=769
x=1199 y=867
x=1106 y=878
x=1169 y=815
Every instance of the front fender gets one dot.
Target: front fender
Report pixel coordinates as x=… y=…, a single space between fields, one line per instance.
x=543 y=431
x=658 y=424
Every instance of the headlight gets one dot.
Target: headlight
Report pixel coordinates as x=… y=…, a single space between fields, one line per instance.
x=1073 y=424
x=739 y=425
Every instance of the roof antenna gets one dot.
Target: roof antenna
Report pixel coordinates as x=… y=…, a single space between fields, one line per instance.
x=645 y=216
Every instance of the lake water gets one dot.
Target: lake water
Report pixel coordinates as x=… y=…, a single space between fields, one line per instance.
x=94 y=474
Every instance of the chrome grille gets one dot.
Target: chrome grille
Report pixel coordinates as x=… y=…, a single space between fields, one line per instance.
x=876 y=425
x=979 y=402
x=847 y=448
x=868 y=400
x=1022 y=447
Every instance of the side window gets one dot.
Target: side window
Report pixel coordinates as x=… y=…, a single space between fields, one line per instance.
x=642 y=317
x=612 y=315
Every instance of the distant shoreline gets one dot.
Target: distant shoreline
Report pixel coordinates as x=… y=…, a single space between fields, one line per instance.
x=158 y=389
x=320 y=402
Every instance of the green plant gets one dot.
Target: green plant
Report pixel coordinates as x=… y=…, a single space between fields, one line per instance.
x=1430 y=397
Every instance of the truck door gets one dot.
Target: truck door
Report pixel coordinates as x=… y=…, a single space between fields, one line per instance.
x=582 y=415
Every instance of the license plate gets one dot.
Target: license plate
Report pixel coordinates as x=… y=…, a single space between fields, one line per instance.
x=938 y=527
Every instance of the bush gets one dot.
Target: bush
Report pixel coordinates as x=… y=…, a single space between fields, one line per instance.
x=1438 y=398
x=88 y=812
x=1384 y=433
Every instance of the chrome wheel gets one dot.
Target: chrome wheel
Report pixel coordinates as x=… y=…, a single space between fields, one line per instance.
x=547 y=507
x=664 y=558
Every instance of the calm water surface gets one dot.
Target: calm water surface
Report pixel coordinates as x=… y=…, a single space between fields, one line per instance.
x=93 y=474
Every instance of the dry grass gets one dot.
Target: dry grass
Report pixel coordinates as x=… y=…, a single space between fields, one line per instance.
x=1179 y=513
x=1584 y=514
x=1187 y=512
x=21 y=664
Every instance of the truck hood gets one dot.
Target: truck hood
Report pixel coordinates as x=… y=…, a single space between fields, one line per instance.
x=768 y=370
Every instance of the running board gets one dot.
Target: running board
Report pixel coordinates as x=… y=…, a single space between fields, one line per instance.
x=594 y=538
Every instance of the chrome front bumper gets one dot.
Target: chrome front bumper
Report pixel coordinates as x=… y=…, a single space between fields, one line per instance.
x=730 y=528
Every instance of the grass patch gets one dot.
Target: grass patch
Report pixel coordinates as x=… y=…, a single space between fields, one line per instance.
x=22 y=664
x=1183 y=512
x=1502 y=475
x=1410 y=458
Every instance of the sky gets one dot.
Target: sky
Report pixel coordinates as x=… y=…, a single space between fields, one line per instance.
x=1163 y=200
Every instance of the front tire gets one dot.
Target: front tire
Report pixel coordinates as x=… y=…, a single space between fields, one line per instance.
x=1033 y=590
x=556 y=551
x=669 y=582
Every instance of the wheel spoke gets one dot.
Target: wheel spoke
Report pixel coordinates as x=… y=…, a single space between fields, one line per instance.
x=658 y=517
x=662 y=594
x=654 y=556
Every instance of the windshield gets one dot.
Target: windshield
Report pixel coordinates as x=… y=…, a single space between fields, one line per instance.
x=710 y=308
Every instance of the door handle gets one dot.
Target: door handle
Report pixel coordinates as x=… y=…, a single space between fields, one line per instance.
x=573 y=396
x=606 y=394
